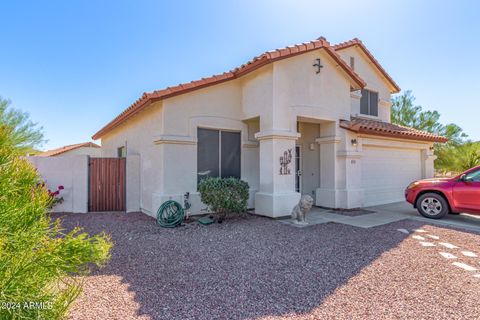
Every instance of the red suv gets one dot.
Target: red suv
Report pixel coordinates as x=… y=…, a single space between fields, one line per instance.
x=434 y=198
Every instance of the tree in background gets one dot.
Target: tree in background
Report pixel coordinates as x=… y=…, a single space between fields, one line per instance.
x=39 y=261
x=405 y=113
x=26 y=135
x=457 y=155
x=458 y=158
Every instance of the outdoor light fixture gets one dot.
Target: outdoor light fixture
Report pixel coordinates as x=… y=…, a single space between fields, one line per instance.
x=354 y=142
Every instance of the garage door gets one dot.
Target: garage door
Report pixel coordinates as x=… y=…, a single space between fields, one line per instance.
x=387 y=172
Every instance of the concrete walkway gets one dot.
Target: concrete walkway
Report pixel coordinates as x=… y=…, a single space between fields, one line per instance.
x=385 y=214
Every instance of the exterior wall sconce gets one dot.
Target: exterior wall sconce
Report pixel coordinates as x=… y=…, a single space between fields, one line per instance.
x=354 y=142
x=432 y=148
x=312 y=146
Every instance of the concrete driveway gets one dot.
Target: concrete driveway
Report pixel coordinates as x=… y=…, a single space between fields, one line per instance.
x=406 y=211
x=388 y=213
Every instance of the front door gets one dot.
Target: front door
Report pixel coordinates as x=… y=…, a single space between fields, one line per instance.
x=466 y=193
x=298 y=170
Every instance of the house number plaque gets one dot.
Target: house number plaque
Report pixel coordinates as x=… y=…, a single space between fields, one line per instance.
x=285 y=160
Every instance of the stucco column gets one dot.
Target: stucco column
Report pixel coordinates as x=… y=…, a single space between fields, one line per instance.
x=276 y=196
x=429 y=158
x=326 y=195
x=133 y=183
x=350 y=192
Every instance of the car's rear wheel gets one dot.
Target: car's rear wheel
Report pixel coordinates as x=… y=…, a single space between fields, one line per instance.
x=432 y=205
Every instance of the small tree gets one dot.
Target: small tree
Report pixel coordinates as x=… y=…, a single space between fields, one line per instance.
x=25 y=134
x=224 y=195
x=38 y=259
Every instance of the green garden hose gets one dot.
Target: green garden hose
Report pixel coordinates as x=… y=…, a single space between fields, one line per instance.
x=170 y=214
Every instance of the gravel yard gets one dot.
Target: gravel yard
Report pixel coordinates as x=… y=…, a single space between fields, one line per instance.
x=257 y=268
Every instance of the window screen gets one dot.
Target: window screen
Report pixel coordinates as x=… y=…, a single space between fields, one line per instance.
x=230 y=155
x=218 y=154
x=369 y=103
x=364 y=102
x=208 y=153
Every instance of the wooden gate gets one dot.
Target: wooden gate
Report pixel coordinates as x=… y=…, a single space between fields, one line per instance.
x=106 y=184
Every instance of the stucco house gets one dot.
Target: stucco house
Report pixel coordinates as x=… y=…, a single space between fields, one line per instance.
x=312 y=118
x=84 y=148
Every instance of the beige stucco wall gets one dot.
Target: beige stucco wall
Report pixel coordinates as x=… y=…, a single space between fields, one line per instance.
x=137 y=135
x=265 y=107
x=84 y=151
x=69 y=172
x=165 y=139
x=375 y=82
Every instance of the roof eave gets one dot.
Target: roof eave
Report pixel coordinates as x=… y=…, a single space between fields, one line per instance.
x=256 y=63
x=394 y=87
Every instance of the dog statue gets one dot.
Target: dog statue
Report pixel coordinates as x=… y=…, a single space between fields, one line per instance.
x=301 y=209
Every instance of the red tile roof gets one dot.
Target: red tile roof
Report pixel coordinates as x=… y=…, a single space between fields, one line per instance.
x=254 y=64
x=385 y=129
x=56 y=152
x=356 y=42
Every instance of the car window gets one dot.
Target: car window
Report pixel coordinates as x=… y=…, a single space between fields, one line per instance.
x=474 y=176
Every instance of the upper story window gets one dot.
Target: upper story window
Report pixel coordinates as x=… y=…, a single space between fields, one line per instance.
x=352 y=63
x=369 y=103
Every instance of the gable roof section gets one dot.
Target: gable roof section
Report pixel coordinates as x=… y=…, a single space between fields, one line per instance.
x=58 y=151
x=356 y=42
x=385 y=129
x=257 y=62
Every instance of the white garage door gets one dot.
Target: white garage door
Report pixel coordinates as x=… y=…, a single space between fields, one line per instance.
x=387 y=172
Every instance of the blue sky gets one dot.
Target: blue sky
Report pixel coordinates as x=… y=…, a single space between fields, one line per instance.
x=74 y=65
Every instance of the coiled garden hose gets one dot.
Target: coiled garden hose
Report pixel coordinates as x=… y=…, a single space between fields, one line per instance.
x=170 y=214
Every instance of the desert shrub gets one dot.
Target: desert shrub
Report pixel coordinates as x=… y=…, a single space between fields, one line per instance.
x=224 y=195
x=39 y=261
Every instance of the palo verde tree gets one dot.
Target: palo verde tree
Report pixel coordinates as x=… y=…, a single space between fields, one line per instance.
x=39 y=261
x=25 y=134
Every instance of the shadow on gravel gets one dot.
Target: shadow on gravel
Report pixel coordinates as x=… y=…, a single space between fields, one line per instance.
x=242 y=269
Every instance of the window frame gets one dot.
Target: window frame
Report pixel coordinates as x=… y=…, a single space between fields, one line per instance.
x=368 y=95
x=220 y=149
x=121 y=152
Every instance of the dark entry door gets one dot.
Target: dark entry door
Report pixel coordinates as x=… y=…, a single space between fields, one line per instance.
x=106 y=184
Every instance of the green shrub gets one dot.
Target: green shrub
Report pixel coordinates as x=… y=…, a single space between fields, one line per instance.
x=224 y=195
x=38 y=259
